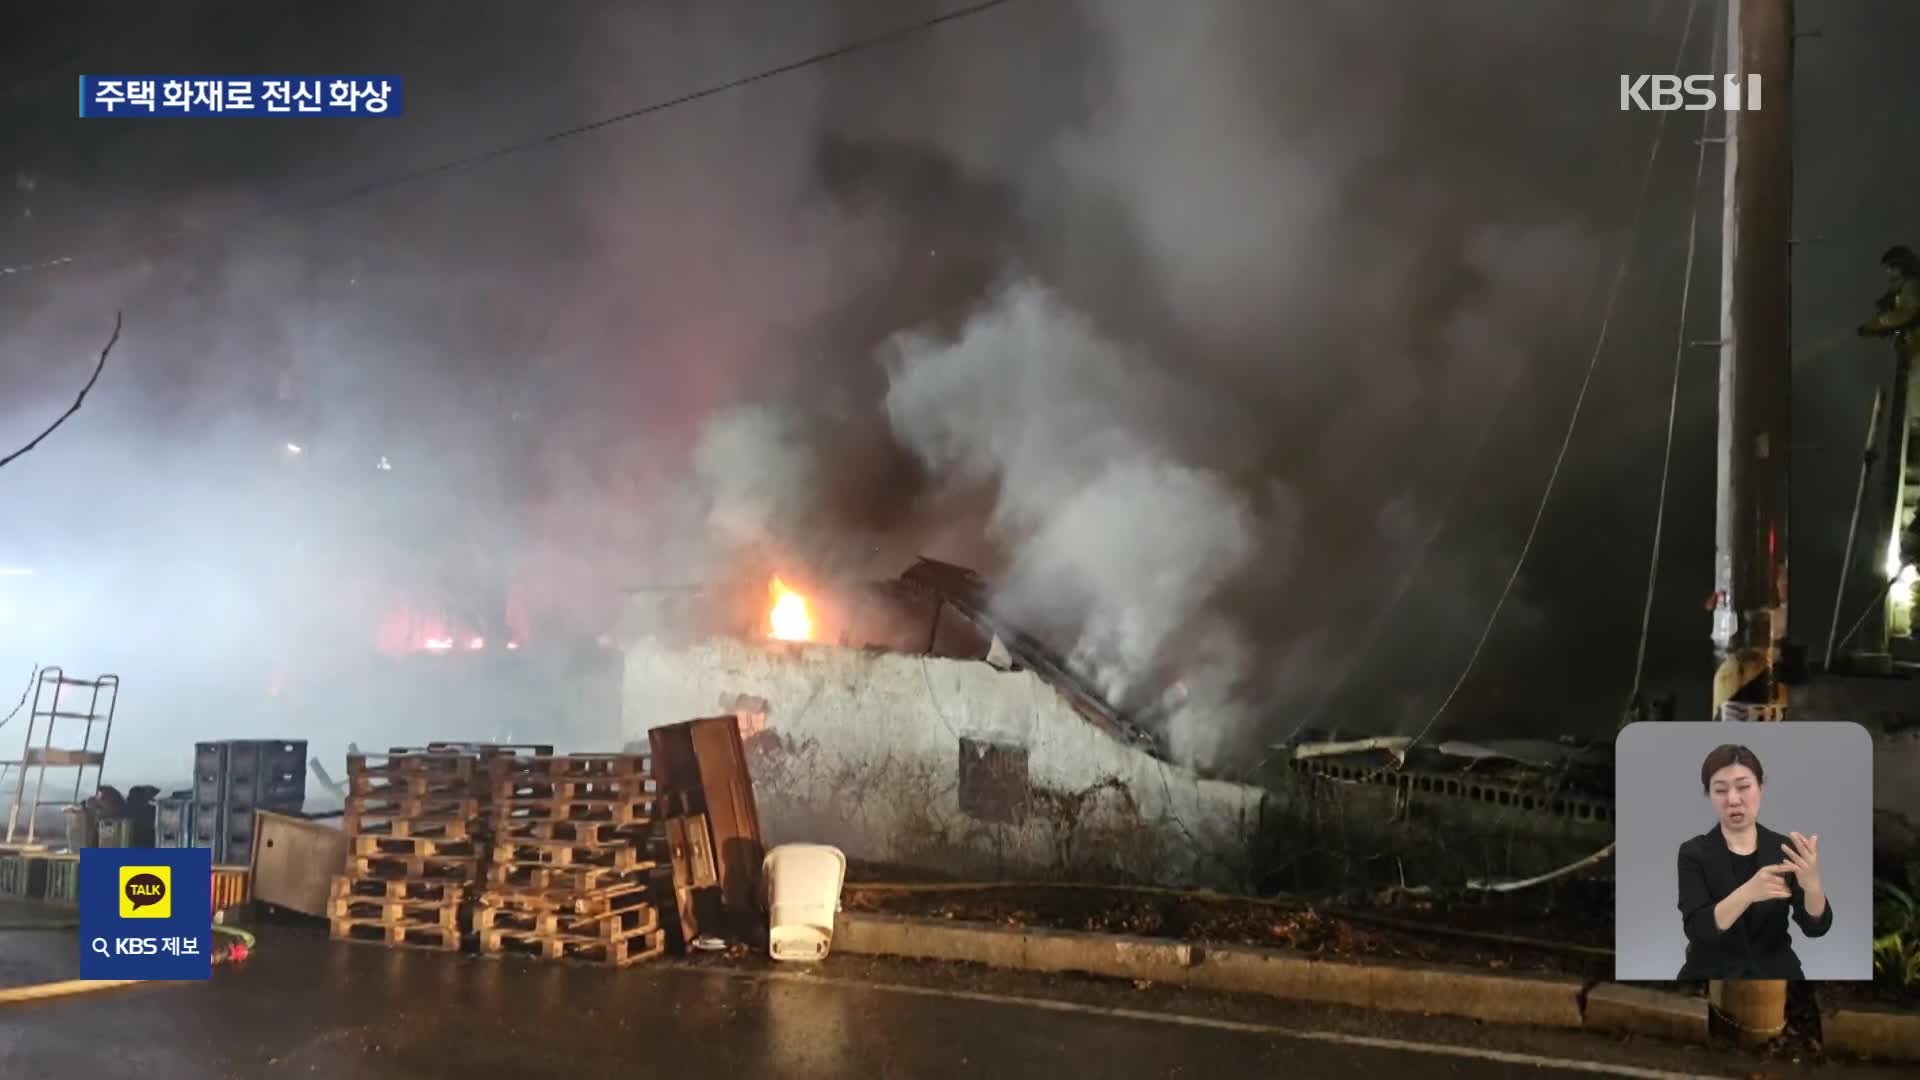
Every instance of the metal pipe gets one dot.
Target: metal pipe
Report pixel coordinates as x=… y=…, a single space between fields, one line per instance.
x=1853 y=527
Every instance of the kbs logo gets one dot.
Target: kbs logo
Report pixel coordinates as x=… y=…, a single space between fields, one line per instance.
x=145 y=892
x=1694 y=93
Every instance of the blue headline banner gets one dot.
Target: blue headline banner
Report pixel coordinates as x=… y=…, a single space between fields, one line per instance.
x=239 y=95
x=146 y=913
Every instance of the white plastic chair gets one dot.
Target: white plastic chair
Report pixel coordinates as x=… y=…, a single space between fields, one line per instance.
x=803 y=894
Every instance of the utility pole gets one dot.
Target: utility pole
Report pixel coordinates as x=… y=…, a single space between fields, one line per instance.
x=1750 y=618
x=1750 y=572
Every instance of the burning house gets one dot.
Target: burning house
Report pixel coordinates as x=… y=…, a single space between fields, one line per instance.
x=904 y=722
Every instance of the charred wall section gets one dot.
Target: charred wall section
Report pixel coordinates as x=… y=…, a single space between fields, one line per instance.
x=945 y=767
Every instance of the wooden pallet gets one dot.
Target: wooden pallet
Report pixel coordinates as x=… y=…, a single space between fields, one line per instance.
x=392 y=804
x=639 y=918
x=624 y=810
x=574 y=767
x=442 y=868
x=609 y=896
x=413 y=936
x=407 y=913
x=515 y=877
x=438 y=827
x=462 y=846
x=585 y=789
x=595 y=951
x=438 y=892
x=419 y=785
x=451 y=764
x=480 y=749
x=565 y=853
x=586 y=833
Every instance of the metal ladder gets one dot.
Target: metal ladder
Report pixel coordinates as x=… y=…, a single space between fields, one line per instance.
x=42 y=720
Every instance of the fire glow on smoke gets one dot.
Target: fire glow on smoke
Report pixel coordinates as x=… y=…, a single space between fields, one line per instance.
x=789 y=617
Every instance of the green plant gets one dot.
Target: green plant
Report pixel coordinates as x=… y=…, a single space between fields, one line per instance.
x=1896 y=935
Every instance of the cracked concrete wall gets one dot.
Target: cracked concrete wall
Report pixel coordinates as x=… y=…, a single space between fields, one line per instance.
x=862 y=749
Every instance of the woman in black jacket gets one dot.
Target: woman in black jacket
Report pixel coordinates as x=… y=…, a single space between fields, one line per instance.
x=1739 y=880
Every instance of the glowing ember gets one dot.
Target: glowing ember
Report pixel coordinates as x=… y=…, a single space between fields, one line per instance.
x=789 y=616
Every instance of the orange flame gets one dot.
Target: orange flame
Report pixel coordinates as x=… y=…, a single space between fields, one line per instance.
x=789 y=616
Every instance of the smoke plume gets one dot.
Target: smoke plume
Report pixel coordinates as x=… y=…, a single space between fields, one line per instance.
x=1182 y=322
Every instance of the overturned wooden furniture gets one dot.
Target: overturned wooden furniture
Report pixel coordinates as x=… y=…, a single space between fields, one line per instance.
x=571 y=868
x=712 y=825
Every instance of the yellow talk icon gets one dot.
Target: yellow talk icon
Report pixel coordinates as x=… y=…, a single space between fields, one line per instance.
x=146 y=892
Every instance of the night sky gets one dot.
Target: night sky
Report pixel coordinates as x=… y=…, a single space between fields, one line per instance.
x=1236 y=340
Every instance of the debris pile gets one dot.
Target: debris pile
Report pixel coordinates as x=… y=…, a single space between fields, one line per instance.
x=418 y=827
x=571 y=870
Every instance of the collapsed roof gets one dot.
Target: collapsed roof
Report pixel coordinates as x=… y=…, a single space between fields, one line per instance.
x=964 y=594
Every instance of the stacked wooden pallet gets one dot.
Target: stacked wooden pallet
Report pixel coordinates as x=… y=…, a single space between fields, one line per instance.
x=417 y=824
x=572 y=869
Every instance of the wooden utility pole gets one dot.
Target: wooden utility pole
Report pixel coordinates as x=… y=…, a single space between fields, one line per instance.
x=1750 y=620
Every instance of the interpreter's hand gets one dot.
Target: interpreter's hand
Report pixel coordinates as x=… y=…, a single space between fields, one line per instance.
x=1769 y=883
x=1803 y=854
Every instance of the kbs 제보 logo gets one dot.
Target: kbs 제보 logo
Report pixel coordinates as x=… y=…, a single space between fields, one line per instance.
x=146 y=892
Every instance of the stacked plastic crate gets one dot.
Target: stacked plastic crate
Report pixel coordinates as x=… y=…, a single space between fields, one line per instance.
x=173 y=820
x=237 y=777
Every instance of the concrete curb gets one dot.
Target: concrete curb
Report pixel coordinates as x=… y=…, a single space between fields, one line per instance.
x=1872 y=1033
x=1536 y=1000
x=1636 y=1010
x=1540 y=1000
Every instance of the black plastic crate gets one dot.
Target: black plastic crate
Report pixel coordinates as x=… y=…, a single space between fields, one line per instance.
x=210 y=761
x=271 y=759
x=209 y=772
x=251 y=773
x=240 y=805
x=206 y=821
x=287 y=757
x=173 y=822
x=232 y=840
x=266 y=793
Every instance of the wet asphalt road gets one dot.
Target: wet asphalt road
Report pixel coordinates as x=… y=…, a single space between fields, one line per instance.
x=306 y=1007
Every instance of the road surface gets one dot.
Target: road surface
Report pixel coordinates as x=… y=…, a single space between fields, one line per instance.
x=306 y=1007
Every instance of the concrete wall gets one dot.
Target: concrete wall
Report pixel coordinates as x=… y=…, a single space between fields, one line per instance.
x=863 y=749
x=1889 y=708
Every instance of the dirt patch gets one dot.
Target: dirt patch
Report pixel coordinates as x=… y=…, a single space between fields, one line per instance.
x=1321 y=931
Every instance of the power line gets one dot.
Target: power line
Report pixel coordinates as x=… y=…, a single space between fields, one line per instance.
x=1579 y=401
x=485 y=157
x=78 y=400
x=1673 y=395
x=862 y=45
x=1376 y=628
